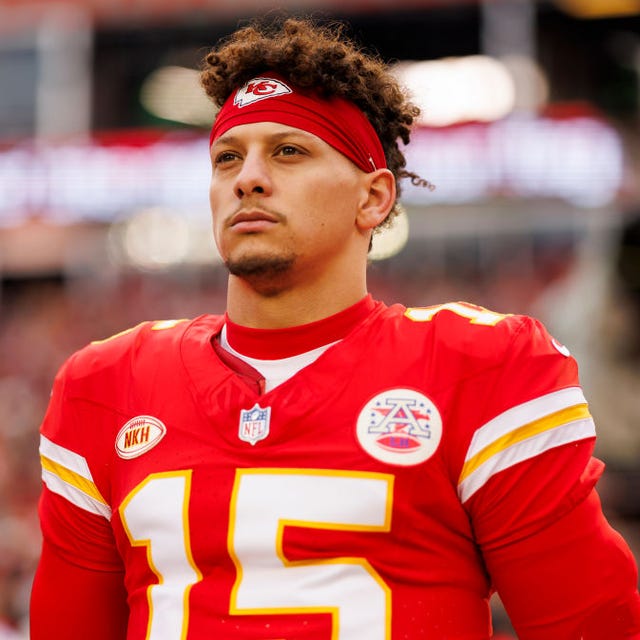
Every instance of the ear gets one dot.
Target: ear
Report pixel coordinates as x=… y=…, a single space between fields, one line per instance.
x=378 y=199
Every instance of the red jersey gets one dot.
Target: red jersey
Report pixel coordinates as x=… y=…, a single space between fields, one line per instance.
x=375 y=494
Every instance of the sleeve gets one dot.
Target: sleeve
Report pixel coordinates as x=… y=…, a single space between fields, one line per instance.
x=71 y=602
x=575 y=579
x=527 y=483
x=80 y=572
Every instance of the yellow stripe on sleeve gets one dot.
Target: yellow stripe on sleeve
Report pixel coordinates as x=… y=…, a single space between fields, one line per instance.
x=524 y=432
x=536 y=427
x=72 y=478
x=67 y=474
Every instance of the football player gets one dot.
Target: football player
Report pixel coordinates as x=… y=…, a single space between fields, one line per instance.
x=313 y=464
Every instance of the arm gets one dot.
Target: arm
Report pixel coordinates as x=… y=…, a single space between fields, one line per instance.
x=574 y=579
x=71 y=602
x=562 y=572
x=78 y=590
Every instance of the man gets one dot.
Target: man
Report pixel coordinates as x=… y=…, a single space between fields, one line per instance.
x=316 y=465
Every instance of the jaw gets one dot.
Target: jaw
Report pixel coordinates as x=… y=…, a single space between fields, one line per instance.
x=268 y=275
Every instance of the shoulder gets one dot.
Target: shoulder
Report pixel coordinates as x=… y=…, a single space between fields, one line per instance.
x=474 y=332
x=149 y=342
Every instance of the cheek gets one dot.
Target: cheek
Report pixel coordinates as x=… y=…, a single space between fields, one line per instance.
x=335 y=204
x=332 y=192
x=214 y=205
x=212 y=195
x=216 y=233
x=219 y=201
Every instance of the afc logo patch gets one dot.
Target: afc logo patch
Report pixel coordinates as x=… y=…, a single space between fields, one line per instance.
x=259 y=89
x=400 y=427
x=254 y=424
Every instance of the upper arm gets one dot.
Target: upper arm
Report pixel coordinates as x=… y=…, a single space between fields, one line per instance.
x=78 y=589
x=528 y=486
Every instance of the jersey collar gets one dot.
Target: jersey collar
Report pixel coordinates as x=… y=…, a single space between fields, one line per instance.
x=271 y=344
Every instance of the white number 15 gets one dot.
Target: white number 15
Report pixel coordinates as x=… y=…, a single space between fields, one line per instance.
x=263 y=503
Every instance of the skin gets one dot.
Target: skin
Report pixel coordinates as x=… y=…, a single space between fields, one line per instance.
x=292 y=220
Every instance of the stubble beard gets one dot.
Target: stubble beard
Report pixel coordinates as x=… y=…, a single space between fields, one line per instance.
x=266 y=274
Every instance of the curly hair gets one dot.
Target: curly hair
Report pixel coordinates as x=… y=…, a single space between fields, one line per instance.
x=322 y=58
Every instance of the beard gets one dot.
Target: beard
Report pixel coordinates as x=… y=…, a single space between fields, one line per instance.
x=266 y=274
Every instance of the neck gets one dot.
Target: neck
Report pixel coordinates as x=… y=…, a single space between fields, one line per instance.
x=293 y=305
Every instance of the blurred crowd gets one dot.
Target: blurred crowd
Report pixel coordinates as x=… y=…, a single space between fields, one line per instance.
x=43 y=320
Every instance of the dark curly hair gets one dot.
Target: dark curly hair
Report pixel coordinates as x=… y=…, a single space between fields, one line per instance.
x=322 y=58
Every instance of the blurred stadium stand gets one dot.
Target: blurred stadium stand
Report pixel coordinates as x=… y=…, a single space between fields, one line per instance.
x=103 y=202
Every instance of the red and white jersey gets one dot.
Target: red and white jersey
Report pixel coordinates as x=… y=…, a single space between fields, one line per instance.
x=363 y=497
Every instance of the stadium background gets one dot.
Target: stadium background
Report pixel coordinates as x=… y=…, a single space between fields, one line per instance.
x=103 y=210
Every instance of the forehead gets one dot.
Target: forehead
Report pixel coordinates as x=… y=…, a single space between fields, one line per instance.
x=265 y=132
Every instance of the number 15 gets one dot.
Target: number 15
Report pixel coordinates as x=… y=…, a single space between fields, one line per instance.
x=263 y=503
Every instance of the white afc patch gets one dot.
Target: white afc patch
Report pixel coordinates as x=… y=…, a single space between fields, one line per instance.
x=138 y=436
x=400 y=427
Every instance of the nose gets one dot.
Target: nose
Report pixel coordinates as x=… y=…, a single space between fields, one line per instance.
x=253 y=177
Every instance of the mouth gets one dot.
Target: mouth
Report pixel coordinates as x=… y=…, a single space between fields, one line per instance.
x=252 y=221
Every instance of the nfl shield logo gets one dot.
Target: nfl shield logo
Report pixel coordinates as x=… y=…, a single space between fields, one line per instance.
x=254 y=424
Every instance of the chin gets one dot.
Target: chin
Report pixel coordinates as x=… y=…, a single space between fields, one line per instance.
x=267 y=274
x=257 y=265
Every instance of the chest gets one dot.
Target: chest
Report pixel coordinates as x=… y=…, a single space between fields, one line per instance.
x=312 y=469
x=329 y=486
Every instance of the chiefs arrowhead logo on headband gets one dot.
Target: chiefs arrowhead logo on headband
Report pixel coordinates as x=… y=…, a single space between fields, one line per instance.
x=259 y=89
x=337 y=121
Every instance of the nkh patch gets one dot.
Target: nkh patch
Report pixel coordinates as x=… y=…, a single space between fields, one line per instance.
x=400 y=427
x=254 y=423
x=259 y=89
x=139 y=435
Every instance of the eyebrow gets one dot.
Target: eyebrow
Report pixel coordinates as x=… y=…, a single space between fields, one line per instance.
x=273 y=137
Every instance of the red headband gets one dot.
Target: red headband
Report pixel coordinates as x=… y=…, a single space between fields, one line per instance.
x=337 y=121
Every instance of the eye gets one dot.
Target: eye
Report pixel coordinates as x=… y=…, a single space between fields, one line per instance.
x=225 y=156
x=288 y=150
